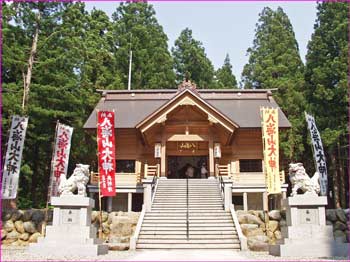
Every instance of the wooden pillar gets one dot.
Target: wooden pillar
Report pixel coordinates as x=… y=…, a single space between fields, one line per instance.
x=265 y=201
x=245 y=201
x=211 y=155
x=109 y=204
x=129 y=202
x=163 y=156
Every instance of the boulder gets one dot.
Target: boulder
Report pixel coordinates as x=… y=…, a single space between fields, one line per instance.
x=270 y=235
x=118 y=246
x=341 y=215
x=283 y=223
x=94 y=216
x=105 y=228
x=339 y=226
x=104 y=216
x=258 y=243
x=254 y=232
x=273 y=225
x=13 y=235
x=8 y=225
x=38 y=216
x=339 y=236
x=24 y=236
x=249 y=219
x=6 y=242
x=34 y=238
x=19 y=226
x=278 y=234
x=121 y=229
x=27 y=215
x=331 y=215
x=347 y=212
x=247 y=227
x=263 y=216
x=16 y=215
x=275 y=215
x=283 y=214
x=111 y=216
x=134 y=217
x=19 y=242
x=6 y=215
x=29 y=227
x=3 y=234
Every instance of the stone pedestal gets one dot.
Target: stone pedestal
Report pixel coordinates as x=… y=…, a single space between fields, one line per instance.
x=71 y=232
x=306 y=233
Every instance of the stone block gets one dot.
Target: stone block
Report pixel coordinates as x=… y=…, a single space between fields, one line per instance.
x=71 y=233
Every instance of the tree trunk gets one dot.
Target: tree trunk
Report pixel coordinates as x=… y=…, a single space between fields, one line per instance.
x=28 y=77
x=335 y=180
x=342 y=186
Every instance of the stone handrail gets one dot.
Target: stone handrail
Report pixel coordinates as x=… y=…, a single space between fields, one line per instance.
x=134 y=238
x=242 y=238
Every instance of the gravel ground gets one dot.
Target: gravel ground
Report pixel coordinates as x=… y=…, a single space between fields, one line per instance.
x=21 y=254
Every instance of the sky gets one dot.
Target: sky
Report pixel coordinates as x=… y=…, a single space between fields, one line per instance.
x=225 y=27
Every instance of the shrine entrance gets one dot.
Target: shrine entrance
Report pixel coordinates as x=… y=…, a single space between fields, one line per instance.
x=183 y=166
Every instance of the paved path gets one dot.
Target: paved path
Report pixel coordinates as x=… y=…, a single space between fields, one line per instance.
x=21 y=254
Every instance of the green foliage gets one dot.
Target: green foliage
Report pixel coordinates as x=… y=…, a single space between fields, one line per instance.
x=190 y=58
x=326 y=73
x=274 y=62
x=135 y=27
x=224 y=75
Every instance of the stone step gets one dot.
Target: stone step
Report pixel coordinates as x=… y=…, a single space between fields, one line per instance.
x=196 y=213
x=184 y=236
x=192 y=233
x=188 y=246
x=191 y=205
x=192 y=224
x=185 y=241
x=160 y=217
x=192 y=228
x=183 y=221
x=177 y=209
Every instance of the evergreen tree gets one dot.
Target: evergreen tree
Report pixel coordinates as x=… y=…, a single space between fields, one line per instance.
x=190 y=58
x=274 y=62
x=135 y=27
x=326 y=78
x=224 y=75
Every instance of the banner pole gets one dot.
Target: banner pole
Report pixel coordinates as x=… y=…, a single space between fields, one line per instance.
x=100 y=207
x=43 y=230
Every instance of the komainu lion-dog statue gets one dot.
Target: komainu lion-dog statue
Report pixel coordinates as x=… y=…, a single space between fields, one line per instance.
x=77 y=181
x=301 y=180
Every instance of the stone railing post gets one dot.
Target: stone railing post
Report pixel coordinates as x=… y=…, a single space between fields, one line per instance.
x=227 y=193
x=147 y=193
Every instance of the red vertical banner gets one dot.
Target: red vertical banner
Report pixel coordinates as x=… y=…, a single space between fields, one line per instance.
x=106 y=152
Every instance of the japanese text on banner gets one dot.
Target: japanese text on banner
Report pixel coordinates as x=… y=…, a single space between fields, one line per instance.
x=106 y=152
x=271 y=149
x=13 y=157
x=319 y=155
x=60 y=158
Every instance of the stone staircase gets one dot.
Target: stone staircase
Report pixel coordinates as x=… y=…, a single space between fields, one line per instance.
x=165 y=226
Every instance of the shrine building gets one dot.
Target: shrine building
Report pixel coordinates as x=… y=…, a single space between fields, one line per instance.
x=216 y=132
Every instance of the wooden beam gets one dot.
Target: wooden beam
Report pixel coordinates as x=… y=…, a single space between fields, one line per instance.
x=189 y=137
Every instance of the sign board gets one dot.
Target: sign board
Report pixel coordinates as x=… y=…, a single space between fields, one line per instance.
x=60 y=158
x=319 y=155
x=106 y=152
x=269 y=126
x=13 y=157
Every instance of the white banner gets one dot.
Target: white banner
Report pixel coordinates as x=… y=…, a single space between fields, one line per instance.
x=12 y=164
x=319 y=155
x=60 y=156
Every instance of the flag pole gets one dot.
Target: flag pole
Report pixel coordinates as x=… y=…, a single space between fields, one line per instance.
x=99 y=183
x=43 y=230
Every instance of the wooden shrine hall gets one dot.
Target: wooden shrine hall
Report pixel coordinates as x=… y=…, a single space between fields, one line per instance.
x=176 y=133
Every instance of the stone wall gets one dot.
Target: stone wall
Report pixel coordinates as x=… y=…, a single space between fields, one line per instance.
x=339 y=218
x=260 y=230
x=261 y=233
x=21 y=227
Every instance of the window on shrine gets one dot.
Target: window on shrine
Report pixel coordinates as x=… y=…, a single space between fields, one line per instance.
x=125 y=166
x=250 y=165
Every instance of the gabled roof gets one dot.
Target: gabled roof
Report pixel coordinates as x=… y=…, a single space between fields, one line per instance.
x=187 y=97
x=241 y=107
